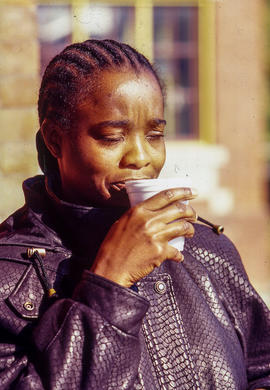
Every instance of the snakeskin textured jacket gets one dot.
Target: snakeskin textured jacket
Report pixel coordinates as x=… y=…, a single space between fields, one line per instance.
x=194 y=325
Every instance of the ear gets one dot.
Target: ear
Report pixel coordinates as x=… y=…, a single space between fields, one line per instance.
x=52 y=137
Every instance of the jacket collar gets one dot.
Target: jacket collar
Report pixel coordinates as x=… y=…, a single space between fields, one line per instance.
x=81 y=228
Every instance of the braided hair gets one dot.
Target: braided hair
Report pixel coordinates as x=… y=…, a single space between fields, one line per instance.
x=67 y=79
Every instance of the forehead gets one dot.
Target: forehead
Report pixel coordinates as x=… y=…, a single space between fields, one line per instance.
x=107 y=83
x=114 y=93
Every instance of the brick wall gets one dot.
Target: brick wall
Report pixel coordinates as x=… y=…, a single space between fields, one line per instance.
x=19 y=81
x=241 y=129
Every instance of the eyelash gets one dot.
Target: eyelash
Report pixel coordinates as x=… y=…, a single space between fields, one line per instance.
x=155 y=136
x=110 y=141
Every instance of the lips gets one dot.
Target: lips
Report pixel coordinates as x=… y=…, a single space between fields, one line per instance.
x=121 y=185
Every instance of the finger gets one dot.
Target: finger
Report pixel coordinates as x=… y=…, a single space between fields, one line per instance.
x=175 y=211
x=166 y=197
x=180 y=228
x=174 y=254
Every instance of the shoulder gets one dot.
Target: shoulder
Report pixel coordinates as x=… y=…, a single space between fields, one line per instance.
x=216 y=252
x=27 y=227
x=23 y=292
x=206 y=242
x=220 y=265
x=20 y=232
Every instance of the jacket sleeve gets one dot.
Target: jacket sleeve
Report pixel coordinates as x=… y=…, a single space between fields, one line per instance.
x=248 y=313
x=91 y=342
x=87 y=342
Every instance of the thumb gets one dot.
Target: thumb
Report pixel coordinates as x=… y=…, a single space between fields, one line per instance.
x=174 y=254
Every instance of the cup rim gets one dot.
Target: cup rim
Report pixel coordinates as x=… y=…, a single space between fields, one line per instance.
x=149 y=185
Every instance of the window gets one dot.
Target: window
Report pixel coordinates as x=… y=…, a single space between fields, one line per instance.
x=54 y=31
x=102 y=22
x=176 y=56
x=179 y=40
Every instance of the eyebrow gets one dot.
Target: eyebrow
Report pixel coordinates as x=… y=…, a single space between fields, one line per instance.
x=101 y=125
x=125 y=123
x=157 y=121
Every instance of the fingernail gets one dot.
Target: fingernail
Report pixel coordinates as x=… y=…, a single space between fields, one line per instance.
x=194 y=191
x=181 y=257
x=190 y=191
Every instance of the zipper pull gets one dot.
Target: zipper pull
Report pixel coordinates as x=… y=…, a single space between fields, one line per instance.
x=36 y=254
x=31 y=251
x=219 y=229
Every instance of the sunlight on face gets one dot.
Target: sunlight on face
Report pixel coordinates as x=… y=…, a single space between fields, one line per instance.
x=118 y=135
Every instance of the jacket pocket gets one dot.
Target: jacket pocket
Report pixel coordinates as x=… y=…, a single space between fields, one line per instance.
x=28 y=294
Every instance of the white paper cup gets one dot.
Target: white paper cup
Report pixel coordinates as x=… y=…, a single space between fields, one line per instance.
x=140 y=190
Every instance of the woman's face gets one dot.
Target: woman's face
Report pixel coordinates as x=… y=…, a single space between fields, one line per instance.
x=117 y=136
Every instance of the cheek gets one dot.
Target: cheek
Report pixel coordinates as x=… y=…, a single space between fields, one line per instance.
x=100 y=161
x=159 y=158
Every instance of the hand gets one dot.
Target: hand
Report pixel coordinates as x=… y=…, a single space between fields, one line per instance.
x=138 y=241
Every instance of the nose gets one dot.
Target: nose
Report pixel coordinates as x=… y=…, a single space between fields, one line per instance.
x=135 y=155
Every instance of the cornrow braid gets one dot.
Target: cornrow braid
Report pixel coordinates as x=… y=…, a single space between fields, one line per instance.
x=67 y=73
x=69 y=76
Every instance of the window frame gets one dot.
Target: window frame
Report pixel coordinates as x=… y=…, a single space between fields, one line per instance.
x=206 y=48
x=144 y=43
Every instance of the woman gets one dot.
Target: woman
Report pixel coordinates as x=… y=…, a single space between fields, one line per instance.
x=92 y=294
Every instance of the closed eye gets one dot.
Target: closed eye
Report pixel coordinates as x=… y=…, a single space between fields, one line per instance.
x=155 y=136
x=111 y=139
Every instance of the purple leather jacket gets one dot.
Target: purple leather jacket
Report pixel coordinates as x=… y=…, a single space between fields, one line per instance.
x=194 y=325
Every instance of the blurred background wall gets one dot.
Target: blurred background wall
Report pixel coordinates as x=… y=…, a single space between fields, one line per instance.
x=213 y=57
